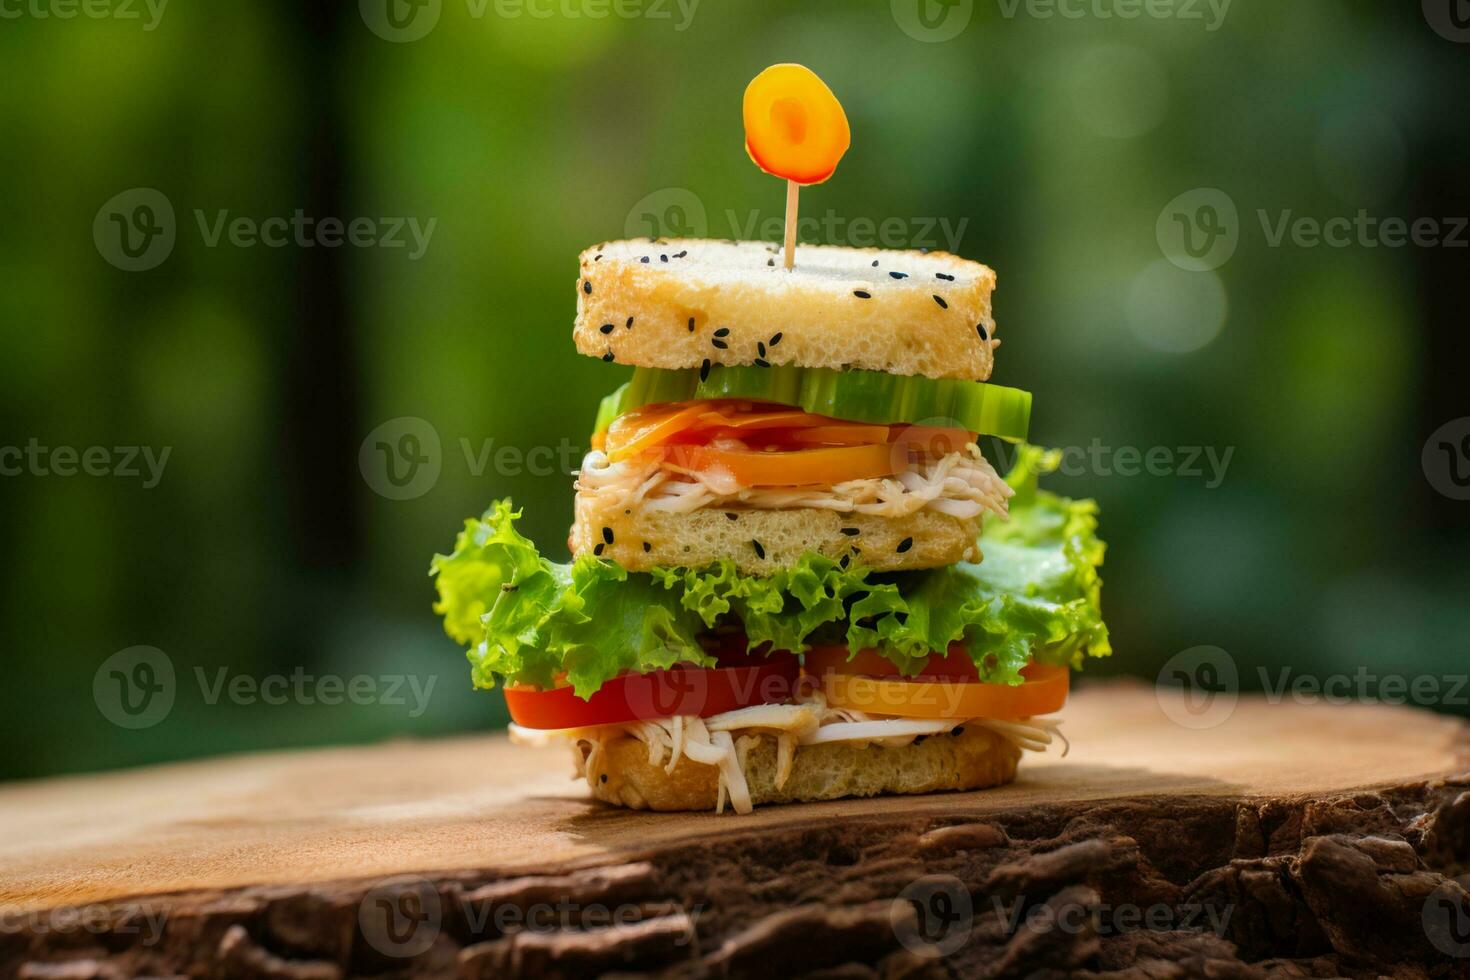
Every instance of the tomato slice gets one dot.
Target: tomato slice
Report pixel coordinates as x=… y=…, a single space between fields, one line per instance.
x=931 y=440
x=946 y=688
x=803 y=467
x=680 y=690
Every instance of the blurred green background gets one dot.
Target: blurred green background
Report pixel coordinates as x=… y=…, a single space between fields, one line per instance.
x=1050 y=146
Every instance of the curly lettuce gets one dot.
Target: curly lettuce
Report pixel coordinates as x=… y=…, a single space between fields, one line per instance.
x=1035 y=596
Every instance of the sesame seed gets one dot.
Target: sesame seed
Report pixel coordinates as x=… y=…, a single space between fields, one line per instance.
x=587 y=286
x=608 y=357
x=720 y=344
x=598 y=550
x=607 y=535
x=663 y=258
x=644 y=260
x=762 y=362
x=905 y=545
x=606 y=328
x=597 y=257
x=647 y=546
x=776 y=339
x=875 y=263
x=733 y=517
x=681 y=254
x=691 y=324
x=851 y=531
x=704 y=370
x=770 y=263
x=846 y=560
x=722 y=332
x=945 y=276
x=862 y=294
x=898 y=275
x=942 y=304
x=760 y=348
x=981 y=328
x=958 y=730
x=629 y=324
x=603 y=777
x=759 y=551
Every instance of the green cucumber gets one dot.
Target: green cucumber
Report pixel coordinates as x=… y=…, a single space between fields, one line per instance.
x=856 y=396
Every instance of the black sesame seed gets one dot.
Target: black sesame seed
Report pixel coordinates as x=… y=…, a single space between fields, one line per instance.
x=981 y=328
x=720 y=344
x=851 y=532
x=759 y=551
x=644 y=260
x=898 y=275
x=722 y=332
x=647 y=546
x=608 y=357
x=776 y=339
x=606 y=328
x=862 y=294
x=770 y=263
x=680 y=255
x=958 y=730
x=733 y=517
x=587 y=286
x=598 y=550
x=762 y=362
x=607 y=535
x=597 y=257
x=704 y=370
x=905 y=545
x=942 y=304
x=691 y=324
x=945 y=276
x=603 y=777
x=875 y=263
x=760 y=348
x=663 y=258
x=846 y=560
x=629 y=324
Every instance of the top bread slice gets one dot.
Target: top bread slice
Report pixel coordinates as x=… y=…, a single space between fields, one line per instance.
x=679 y=303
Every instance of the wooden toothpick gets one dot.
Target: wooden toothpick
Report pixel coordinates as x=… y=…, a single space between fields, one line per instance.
x=793 y=189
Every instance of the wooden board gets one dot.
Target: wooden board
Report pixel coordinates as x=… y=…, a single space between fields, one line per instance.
x=1160 y=812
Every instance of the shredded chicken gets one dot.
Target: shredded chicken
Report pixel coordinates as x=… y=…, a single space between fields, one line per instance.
x=725 y=740
x=962 y=485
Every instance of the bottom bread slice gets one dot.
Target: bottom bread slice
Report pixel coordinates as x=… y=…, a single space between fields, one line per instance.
x=967 y=758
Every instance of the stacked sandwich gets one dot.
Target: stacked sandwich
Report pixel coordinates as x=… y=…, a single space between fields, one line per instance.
x=795 y=575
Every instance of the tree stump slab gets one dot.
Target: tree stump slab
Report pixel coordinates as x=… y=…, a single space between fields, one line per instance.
x=1288 y=840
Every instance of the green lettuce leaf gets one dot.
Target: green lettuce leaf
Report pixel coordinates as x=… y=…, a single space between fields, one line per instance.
x=1035 y=596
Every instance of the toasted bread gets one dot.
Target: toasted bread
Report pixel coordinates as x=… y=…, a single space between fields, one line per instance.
x=679 y=303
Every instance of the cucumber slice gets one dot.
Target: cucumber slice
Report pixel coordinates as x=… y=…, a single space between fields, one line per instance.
x=857 y=396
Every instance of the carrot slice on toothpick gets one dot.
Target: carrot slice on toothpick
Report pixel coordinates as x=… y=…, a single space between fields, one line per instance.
x=794 y=128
